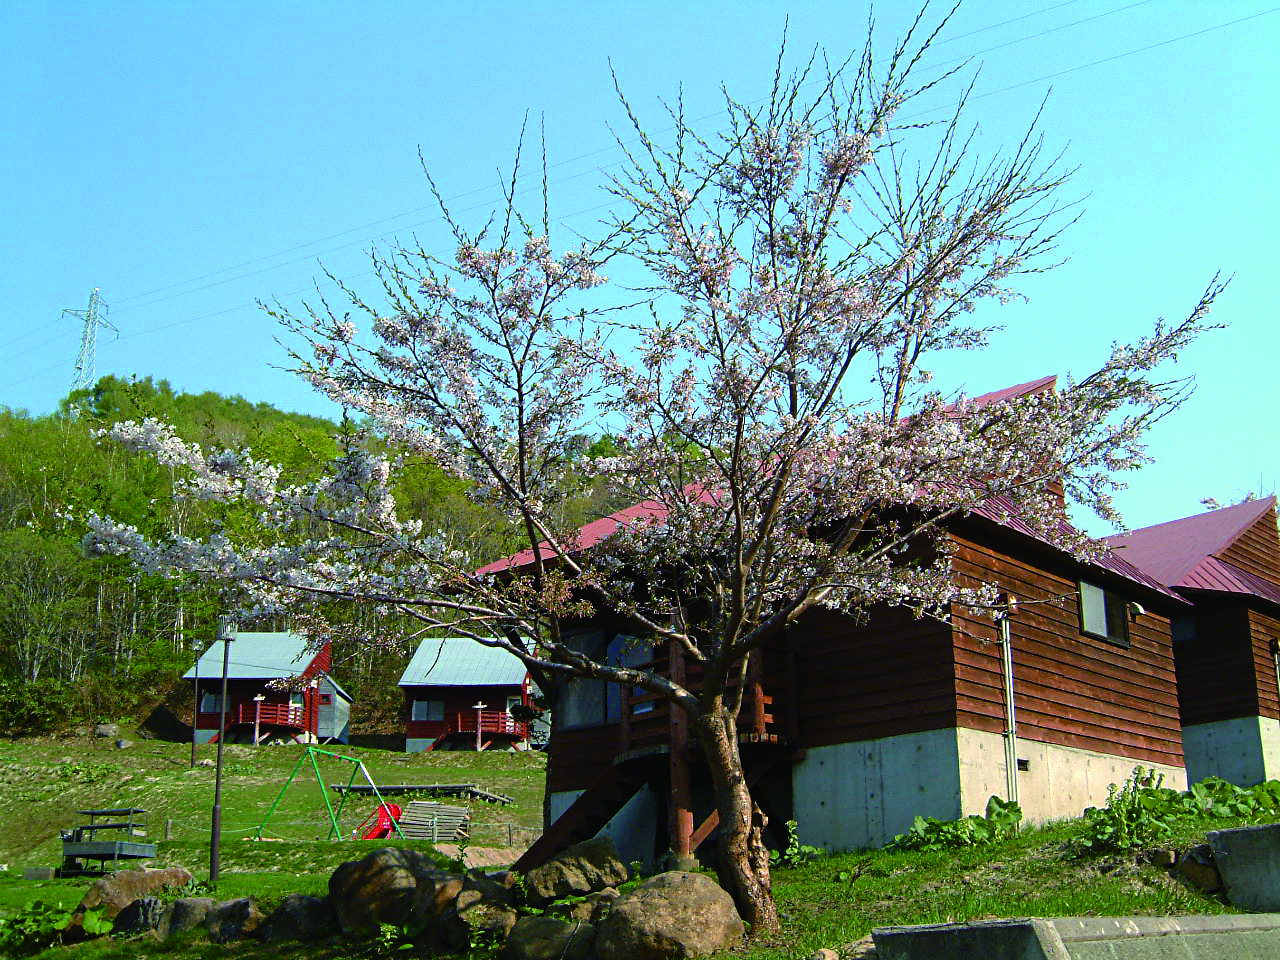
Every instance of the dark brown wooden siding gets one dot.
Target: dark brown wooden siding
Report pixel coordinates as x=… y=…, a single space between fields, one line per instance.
x=1216 y=672
x=576 y=758
x=1069 y=689
x=1257 y=550
x=457 y=700
x=1263 y=629
x=858 y=681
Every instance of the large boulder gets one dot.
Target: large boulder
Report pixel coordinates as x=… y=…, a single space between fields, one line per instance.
x=549 y=938
x=117 y=890
x=674 y=914
x=390 y=885
x=142 y=916
x=483 y=911
x=233 y=920
x=185 y=914
x=435 y=893
x=299 y=917
x=581 y=869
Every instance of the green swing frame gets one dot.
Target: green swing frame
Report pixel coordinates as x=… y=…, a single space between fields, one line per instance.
x=357 y=767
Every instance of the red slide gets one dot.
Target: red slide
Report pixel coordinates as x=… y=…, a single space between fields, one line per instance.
x=379 y=823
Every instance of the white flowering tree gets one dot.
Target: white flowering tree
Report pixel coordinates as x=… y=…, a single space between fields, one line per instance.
x=808 y=267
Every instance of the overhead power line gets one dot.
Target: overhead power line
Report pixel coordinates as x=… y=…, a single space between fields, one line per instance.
x=609 y=148
x=1015 y=86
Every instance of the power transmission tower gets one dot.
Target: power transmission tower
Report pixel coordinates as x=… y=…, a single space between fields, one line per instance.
x=94 y=316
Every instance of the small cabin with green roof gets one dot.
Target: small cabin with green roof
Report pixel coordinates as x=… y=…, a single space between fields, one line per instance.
x=277 y=688
x=460 y=695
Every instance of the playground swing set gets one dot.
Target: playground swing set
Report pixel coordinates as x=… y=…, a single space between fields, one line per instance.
x=382 y=822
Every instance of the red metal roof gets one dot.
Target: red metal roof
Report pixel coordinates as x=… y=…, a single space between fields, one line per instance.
x=1021 y=390
x=1215 y=574
x=648 y=511
x=998 y=510
x=1175 y=552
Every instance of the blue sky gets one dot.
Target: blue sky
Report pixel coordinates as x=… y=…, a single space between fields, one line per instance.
x=188 y=159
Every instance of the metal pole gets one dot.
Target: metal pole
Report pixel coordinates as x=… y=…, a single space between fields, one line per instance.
x=1275 y=659
x=226 y=631
x=1010 y=714
x=479 y=707
x=195 y=716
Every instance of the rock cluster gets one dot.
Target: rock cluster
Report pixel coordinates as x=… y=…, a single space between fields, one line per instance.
x=1195 y=866
x=567 y=909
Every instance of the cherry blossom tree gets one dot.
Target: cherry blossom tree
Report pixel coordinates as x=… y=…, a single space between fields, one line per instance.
x=808 y=265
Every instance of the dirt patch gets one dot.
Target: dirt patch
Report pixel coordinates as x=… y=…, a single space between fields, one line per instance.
x=484 y=856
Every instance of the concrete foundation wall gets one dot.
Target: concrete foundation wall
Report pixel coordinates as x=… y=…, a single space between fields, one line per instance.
x=417 y=744
x=1059 y=781
x=854 y=795
x=634 y=828
x=1244 y=751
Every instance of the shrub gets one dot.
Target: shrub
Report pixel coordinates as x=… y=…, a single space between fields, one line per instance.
x=36 y=706
x=40 y=925
x=926 y=833
x=1142 y=811
x=796 y=852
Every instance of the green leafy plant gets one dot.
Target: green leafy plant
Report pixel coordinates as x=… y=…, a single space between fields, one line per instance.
x=1138 y=813
x=796 y=852
x=40 y=925
x=1001 y=820
x=1218 y=798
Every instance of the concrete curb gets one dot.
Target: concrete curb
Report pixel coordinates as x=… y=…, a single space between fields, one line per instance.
x=1070 y=938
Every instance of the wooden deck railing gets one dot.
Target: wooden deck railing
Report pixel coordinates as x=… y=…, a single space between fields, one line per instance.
x=646 y=719
x=491 y=721
x=280 y=714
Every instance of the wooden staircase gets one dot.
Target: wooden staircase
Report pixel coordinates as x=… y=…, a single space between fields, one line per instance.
x=595 y=807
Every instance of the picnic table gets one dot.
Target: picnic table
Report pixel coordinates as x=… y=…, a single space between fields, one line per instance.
x=83 y=842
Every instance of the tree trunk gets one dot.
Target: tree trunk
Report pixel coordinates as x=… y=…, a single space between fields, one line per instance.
x=743 y=861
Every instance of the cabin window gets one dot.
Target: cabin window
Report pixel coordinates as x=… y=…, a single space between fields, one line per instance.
x=582 y=701
x=427 y=710
x=210 y=702
x=1103 y=614
x=625 y=651
x=326 y=698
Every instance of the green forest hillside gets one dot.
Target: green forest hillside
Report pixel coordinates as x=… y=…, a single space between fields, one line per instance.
x=90 y=638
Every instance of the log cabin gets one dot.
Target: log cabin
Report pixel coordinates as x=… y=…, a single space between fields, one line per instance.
x=458 y=694
x=854 y=727
x=277 y=688
x=1226 y=562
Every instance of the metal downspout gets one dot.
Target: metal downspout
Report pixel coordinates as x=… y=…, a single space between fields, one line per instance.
x=1275 y=660
x=1010 y=711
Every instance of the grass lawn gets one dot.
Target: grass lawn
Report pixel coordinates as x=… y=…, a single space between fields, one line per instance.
x=44 y=781
x=828 y=902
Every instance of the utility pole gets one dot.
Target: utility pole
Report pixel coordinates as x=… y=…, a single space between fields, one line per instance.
x=226 y=633
x=94 y=316
x=195 y=714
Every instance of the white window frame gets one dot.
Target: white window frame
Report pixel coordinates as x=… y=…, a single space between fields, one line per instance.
x=1103 y=614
